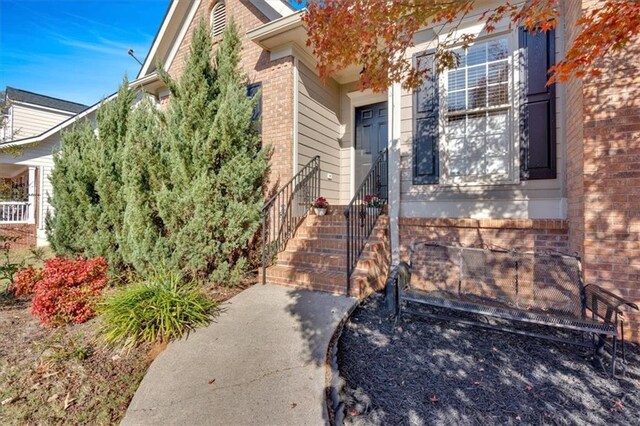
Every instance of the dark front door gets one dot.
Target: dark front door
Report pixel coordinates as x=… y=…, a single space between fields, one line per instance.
x=371 y=139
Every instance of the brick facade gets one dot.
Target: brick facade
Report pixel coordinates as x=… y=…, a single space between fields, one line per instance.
x=603 y=179
x=524 y=234
x=276 y=78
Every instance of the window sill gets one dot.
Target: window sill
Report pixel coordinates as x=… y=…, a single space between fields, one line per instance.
x=463 y=183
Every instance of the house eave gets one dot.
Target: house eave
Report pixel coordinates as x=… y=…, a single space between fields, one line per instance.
x=287 y=36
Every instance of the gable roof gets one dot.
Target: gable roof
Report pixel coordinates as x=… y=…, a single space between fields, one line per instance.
x=177 y=19
x=139 y=83
x=27 y=97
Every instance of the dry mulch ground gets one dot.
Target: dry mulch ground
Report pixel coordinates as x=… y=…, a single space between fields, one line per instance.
x=66 y=375
x=428 y=371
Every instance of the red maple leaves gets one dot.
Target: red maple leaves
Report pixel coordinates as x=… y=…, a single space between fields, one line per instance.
x=377 y=34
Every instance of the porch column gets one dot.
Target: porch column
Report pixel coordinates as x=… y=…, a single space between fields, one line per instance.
x=394 y=171
x=32 y=195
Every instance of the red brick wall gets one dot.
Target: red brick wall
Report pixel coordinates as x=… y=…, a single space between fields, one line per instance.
x=276 y=78
x=524 y=234
x=575 y=148
x=604 y=182
x=26 y=234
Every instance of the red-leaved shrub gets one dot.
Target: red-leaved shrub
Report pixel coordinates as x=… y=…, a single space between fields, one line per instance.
x=25 y=280
x=66 y=290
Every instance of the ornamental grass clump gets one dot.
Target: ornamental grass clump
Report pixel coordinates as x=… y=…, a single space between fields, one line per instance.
x=160 y=308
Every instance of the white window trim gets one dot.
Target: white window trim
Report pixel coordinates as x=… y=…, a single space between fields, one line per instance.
x=512 y=123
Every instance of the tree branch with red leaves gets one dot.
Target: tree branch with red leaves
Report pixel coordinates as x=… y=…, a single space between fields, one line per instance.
x=377 y=34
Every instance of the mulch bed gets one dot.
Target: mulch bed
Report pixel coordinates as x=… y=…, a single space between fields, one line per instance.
x=435 y=372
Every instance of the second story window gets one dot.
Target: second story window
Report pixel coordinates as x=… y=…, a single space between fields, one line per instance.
x=217 y=19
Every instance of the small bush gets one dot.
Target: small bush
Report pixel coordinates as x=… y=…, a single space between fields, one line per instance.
x=161 y=308
x=66 y=290
x=25 y=281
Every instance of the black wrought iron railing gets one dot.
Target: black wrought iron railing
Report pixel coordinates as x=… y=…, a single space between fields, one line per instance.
x=364 y=209
x=284 y=211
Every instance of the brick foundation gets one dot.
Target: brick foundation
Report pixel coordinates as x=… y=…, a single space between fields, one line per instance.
x=523 y=234
x=26 y=234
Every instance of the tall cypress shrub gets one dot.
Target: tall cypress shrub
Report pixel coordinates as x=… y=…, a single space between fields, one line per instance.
x=143 y=242
x=112 y=125
x=74 y=197
x=87 y=184
x=215 y=163
x=181 y=187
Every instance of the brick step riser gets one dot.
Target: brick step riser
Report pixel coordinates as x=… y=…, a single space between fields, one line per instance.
x=324 y=260
x=341 y=224
x=315 y=233
x=279 y=273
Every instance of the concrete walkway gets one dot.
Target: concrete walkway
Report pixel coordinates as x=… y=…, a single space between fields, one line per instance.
x=261 y=363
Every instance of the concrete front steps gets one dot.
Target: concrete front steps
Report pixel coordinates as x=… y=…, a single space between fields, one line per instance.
x=316 y=257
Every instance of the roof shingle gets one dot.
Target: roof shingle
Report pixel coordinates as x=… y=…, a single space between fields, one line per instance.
x=43 y=100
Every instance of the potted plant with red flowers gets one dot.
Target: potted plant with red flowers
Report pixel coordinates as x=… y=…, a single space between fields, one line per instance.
x=320 y=206
x=373 y=204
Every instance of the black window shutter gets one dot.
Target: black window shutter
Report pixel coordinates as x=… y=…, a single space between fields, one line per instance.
x=426 y=163
x=538 y=107
x=252 y=90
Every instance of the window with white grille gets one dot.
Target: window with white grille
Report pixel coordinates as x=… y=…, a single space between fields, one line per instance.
x=218 y=19
x=477 y=117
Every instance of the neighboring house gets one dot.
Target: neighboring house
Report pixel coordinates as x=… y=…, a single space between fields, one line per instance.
x=29 y=114
x=23 y=182
x=25 y=167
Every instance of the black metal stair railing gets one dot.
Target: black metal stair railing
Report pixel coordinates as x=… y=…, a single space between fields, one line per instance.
x=284 y=211
x=360 y=218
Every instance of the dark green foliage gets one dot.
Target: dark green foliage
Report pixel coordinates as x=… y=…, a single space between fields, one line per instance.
x=74 y=197
x=142 y=243
x=112 y=123
x=88 y=187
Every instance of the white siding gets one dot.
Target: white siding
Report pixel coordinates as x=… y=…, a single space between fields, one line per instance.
x=39 y=155
x=319 y=129
x=31 y=120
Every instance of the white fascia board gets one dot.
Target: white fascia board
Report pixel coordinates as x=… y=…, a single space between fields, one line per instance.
x=281 y=7
x=275 y=27
x=149 y=60
x=181 y=35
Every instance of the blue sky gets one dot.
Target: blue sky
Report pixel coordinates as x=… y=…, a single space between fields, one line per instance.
x=74 y=49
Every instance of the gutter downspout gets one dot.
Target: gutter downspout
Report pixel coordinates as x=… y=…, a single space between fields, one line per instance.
x=296 y=64
x=394 y=171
